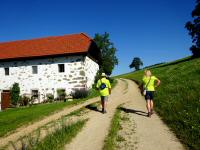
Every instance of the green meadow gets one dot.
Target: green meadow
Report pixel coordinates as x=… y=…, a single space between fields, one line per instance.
x=11 y=119
x=177 y=100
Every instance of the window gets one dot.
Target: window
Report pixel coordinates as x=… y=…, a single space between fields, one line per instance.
x=35 y=94
x=34 y=69
x=6 y=71
x=61 y=68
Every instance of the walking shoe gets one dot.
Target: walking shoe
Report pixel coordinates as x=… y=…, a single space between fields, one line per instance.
x=105 y=111
x=102 y=110
x=149 y=114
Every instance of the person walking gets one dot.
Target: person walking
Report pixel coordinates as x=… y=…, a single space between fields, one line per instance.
x=149 y=87
x=104 y=87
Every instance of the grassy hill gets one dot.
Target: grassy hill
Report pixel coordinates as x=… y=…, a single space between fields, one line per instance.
x=177 y=100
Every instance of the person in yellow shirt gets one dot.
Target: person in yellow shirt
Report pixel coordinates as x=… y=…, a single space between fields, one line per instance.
x=149 y=84
x=104 y=87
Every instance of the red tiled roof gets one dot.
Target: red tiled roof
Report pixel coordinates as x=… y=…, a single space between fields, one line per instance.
x=55 y=45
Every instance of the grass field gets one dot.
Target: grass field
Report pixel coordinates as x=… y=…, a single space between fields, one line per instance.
x=14 y=118
x=11 y=119
x=177 y=100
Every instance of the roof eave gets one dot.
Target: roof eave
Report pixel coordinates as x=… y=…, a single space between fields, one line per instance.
x=44 y=56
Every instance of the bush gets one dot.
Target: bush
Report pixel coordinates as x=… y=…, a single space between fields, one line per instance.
x=80 y=93
x=50 y=97
x=15 y=91
x=61 y=94
x=24 y=100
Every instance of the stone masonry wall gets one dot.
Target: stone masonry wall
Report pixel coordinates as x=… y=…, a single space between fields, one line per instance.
x=91 y=69
x=78 y=74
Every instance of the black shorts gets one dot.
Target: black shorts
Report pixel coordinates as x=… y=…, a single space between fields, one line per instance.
x=149 y=95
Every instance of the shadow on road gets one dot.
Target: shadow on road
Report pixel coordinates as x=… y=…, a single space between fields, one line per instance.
x=138 y=112
x=93 y=107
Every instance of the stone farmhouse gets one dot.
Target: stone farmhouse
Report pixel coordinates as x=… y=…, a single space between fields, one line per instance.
x=44 y=65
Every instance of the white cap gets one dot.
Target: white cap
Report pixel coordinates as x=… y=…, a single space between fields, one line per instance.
x=103 y=75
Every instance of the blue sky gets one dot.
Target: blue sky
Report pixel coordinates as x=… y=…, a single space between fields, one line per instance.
x=150 y=29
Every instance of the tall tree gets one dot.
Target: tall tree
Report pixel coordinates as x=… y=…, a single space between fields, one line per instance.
x=108 y=53
x=136 y=63
x=194 y=30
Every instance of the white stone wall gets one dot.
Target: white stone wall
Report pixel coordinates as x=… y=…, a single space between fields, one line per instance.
x=48 y=79
x=91 y=69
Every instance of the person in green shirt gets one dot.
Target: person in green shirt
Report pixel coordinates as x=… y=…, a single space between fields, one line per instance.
x=104 y=87
x=149 y=84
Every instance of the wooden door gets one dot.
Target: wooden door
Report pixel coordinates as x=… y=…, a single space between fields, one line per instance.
x=5 y=99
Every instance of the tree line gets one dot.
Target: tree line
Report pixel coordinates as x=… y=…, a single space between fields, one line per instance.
x=194 y=30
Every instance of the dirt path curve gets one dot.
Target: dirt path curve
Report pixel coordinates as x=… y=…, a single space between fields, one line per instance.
x=93 y=135
x=152 y=133
x=20 y=132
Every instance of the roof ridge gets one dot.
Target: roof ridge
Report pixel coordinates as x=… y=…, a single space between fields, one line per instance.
x=46 y=37
x=87 y=36
x=30 y=39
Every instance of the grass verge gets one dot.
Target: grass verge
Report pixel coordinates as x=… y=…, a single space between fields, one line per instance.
x=177 y=100
x=115 y=127
x=60 y=137
x=31 y=140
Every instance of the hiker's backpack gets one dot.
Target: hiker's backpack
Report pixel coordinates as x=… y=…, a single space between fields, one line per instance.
x=102 y=86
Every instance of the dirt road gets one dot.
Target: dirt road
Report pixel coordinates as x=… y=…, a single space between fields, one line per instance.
x=93 y=135
x=151 y=133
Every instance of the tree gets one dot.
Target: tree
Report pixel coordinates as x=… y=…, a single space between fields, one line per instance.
x=136 y=63
x=108 y=53
x=194 y=30
x=15 y=91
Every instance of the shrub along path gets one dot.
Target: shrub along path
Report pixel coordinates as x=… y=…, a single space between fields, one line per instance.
x=151 y=133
